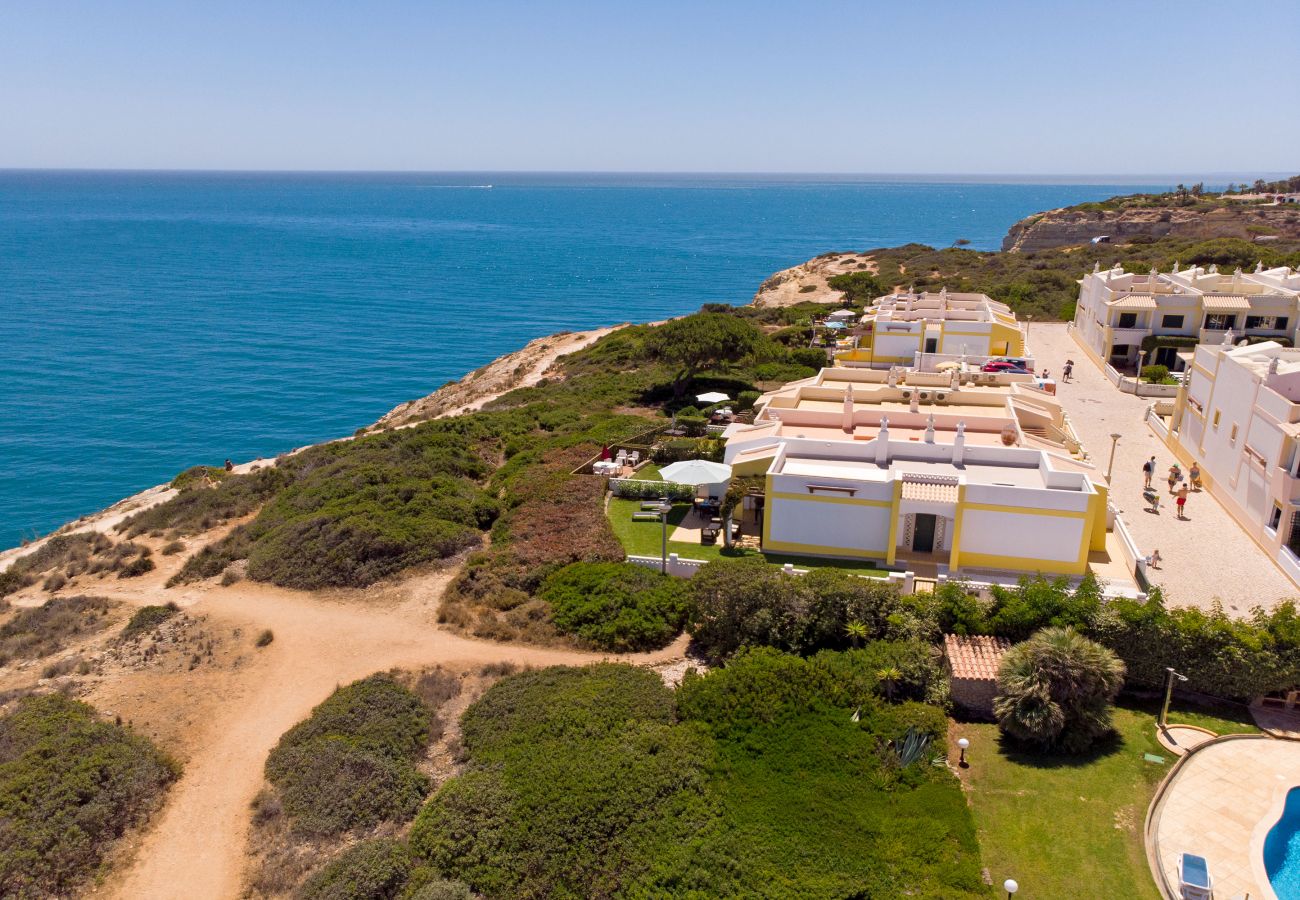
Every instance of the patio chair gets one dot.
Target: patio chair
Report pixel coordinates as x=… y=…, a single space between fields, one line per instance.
x=1194 y=882
x=621 y=458
x=634 y=458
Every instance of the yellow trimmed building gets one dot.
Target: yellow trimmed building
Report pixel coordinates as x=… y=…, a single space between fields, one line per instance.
x=901 y=329
x=969 y=476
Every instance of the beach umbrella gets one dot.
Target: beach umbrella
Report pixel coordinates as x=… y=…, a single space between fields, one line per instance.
x=948 y=366
x=695 y=472
x=843 y=314
x=604 y=452
x=712 y=397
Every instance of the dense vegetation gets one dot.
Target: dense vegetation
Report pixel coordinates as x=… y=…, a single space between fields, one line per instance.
x=147 y=618
x=351 y=765
x=590 y=783
x=616 y=606
x=69 y=786
x=50 y=627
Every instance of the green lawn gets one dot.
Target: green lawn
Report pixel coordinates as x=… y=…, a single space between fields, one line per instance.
x=1066 y=827
x=645 y=539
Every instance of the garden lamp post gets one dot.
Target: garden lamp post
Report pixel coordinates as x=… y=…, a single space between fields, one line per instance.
x=962 y=744
x=664 y=508
x=1010 y=886
x=1114 y=440
x=1169 y=693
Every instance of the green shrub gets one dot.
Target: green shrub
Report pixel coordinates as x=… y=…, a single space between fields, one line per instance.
x=372 y=870
x=746 y=602
x=425 y=884
x=616 y=606
x=69 y=786
x=1155 y=374
x=652 y=490
x=1057 y=689
x=147 y=618
x=193 y=477
x=136 y=567
x=807 y=288
x=51 y=627
x=747 y=399
x=351 y=763
x=577 y=782
x=810 y=357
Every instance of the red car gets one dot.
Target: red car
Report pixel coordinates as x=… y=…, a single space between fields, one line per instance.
x=1000 y=365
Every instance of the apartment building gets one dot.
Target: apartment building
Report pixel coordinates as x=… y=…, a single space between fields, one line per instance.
x=972 y=474
x=1238 y=418
x=899 y=328
x=1122 y=316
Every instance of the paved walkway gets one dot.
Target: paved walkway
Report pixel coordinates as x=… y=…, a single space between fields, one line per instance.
x=1220 y=805
x=1204 y=558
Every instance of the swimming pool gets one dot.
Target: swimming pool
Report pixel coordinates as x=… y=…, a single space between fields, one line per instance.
x=1282 y=850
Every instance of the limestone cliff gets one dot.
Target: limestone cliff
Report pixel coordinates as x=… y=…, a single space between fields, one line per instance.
x=1078 y=225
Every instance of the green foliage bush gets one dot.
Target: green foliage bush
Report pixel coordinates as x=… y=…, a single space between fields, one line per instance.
x=1056 y=690
x=616 y=606
x=52 y=626
x=69 y=786
x=809 y=357
x=858 y=287
x=147 y=618
x=372 y=870
x=137 y=567
x=652 y=490
x=350 y=764
x=578 y=782
x=701 y=341
x=1155 y=374
x=193 y=477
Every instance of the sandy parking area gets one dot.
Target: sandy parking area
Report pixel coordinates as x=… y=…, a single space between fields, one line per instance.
x=1207 y=557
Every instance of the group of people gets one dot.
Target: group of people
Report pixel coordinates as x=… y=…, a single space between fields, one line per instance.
x=1179 y=486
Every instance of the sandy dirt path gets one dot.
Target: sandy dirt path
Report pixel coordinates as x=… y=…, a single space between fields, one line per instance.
x=196 y=846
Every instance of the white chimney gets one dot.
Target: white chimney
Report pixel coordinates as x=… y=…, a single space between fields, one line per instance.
x=882 y=443
x=929 y=429
x=959 y=444
x=846 y=422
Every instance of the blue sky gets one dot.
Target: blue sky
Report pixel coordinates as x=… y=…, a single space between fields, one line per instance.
x=974 y=87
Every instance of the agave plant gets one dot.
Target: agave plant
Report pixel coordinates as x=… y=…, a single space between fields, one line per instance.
x=911 y=746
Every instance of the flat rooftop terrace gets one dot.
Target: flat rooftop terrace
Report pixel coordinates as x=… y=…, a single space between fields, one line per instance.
x=868 y=470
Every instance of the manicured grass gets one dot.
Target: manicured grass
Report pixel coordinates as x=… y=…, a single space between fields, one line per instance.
x=645 y=539
x=1066 y=827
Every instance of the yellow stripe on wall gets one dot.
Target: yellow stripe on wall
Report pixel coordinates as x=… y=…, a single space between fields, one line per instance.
x=825 y=498
x=1026 y=511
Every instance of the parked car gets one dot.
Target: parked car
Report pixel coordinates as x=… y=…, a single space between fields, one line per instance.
x=1001 y=366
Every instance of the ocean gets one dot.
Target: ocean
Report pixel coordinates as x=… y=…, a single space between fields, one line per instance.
x=153 y=321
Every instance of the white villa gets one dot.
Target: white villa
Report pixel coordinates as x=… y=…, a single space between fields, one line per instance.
x=898 y=329
x=966 y=472
x=1117 y=311
x=1238 y=418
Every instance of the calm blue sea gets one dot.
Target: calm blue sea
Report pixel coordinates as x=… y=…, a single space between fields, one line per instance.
x=151 y=321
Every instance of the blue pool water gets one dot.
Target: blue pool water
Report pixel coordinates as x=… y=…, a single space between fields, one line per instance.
x=1282 y=850
x=150 y=321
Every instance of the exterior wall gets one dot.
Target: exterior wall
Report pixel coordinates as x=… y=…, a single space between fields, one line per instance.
x=895 y=346
x=1027 y=530
x=796 y=520
x=975 y=696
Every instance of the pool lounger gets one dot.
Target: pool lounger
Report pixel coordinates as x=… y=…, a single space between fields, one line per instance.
x=1194 y=881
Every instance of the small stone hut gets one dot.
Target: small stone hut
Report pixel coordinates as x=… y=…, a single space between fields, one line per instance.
x=972 y=663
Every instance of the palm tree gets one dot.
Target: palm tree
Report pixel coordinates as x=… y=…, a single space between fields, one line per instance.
x=857 y=633
x=888 y=677
x=1056 y=690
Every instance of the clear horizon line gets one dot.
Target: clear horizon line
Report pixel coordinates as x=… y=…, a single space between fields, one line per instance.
x=633 y=172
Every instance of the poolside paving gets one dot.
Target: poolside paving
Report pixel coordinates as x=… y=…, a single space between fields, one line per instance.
x=1205 y=558
x=1220 y=805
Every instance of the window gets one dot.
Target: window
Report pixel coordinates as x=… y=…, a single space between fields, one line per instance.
x=1293 y=541
x=1128 y=320
x=1232 y=438
x=1267 y=323
x=1275 y=518
x=1171 y=322
x=1217 y=413
x=1219 y=322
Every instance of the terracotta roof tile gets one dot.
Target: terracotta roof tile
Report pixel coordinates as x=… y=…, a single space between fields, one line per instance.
x=975 y=656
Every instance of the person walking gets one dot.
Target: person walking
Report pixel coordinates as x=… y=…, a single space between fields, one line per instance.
x=1067 y=370
x=1182 y=501
x=1175 y=476
x=1148 y=471
x=1153 y=560
x=1194 y=476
